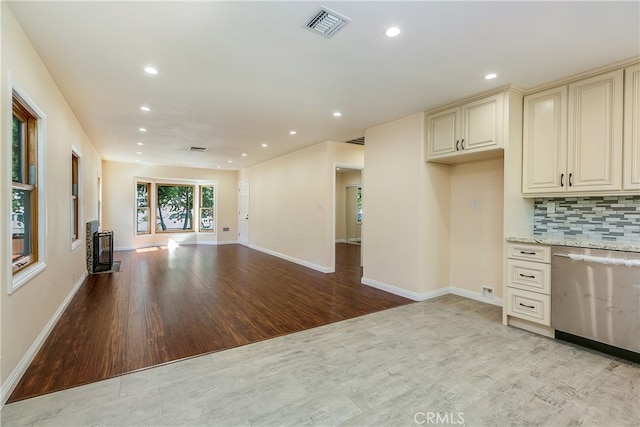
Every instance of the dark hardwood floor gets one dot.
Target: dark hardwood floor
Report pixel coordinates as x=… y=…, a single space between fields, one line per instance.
x=166 y=305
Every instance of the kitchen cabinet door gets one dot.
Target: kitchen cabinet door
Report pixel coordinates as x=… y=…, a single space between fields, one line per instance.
x=544 y=159
x=631 y=167
x=595 y=133
x=482 y=124
x=444 y=131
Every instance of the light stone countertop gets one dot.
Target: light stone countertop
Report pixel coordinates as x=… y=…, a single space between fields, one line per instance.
x=592 y=244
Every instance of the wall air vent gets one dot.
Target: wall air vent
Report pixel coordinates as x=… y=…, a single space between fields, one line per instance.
x=359 y=141
x=198 y=149
x=326 y=22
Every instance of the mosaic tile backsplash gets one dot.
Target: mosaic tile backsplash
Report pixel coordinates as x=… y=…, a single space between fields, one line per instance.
x=614 y=218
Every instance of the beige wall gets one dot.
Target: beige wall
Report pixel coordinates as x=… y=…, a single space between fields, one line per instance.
x=119 y=195
x=291 y=202
x=27 y=311
x=406 y=205
x=344 y=179
x=476 y=225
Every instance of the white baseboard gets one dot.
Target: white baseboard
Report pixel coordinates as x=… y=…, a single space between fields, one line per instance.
x=341 y=240
x=474 y=295
x=416 y=296
x=14 y=377
x=298 y=261
x=423 y=296
x=151 y=245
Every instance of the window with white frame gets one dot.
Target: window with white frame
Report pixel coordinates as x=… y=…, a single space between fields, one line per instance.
x=207 y=197
x=143 y=208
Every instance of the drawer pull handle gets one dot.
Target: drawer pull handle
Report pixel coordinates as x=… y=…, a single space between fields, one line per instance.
x=570 y=183
x=457 y=144
x=527 y=253
x=527 y=306
x=528 y=276
x=462 y=144
x=561 y=180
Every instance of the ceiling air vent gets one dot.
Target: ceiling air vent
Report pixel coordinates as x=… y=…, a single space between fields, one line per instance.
x=198 y=149
x=326 y=22
x=359 y=141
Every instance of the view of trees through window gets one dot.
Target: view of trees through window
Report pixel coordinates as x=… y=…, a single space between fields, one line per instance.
x=175 y=207
x=142 y=208
x=206 y=208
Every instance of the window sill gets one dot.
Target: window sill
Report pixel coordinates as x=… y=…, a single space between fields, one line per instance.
x=26 y=275
x=75 y=244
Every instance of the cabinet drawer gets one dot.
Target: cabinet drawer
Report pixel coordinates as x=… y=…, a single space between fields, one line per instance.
x=530 y=306
x=529 y=252
x=528 y=275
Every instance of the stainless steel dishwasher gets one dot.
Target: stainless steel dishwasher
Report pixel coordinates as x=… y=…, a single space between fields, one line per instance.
x=595 y=294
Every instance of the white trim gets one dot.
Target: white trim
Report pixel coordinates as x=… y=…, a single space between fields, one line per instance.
x=14 y=377
x=475 y=296
x=185 y=243
x=415 y=296
x=403 y=292
x=298 y=261
x=17 y=280
x=341 y=240
x=225 y=242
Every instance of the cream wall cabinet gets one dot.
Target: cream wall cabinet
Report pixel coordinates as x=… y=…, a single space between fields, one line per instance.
x=466 y=132
x=631 y=152
x=529 y=283
x=572 y=140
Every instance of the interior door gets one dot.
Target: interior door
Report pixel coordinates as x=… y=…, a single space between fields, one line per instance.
x=243 y=213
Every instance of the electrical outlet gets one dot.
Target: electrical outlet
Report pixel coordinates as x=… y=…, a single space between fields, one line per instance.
x=474 y=205
x=487 y=292
x=551 y=207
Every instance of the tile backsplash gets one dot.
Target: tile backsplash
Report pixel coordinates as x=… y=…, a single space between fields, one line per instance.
x=614 y=218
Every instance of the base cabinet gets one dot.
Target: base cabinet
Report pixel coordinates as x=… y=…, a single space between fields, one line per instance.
x=528 y=292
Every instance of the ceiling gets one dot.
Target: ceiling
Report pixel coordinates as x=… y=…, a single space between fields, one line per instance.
x=235 y=75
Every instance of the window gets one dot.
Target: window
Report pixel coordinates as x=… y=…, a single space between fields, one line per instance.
x=175 y=207
x=206 y=208
x=75 y=198
x=143 y=208
x=24 y=189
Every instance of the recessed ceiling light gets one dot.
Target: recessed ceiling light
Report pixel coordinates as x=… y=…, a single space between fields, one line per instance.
x=264 y=145
x=229 y=161
x=337 y=169
x=145 y=108
x=244 y=154
x=337 y=114
x=142 y=129
x=140 y=143
x=392 y=32
x=292 y=132
x=138 y=152
x=219 y=166
x=151 y=70
x=490 y=76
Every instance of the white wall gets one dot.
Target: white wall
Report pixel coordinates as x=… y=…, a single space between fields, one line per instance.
x=406 y=203
x=119 y=197
x=29 y=311
x=292 y=203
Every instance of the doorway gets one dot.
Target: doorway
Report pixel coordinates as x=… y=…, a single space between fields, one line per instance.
x=348 y=202
x=353 y=214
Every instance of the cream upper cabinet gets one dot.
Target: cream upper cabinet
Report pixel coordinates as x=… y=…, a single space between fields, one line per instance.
x=631 y=167
x=595 y=133
x=544 y=142
x=466 y=132
x=572 y=140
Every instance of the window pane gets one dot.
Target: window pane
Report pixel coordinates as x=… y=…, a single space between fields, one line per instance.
x=143 y=195
x=206 y=219
x=142 y=226
x=20 y=224
x=175 y=208
x=207 y=197
x=17 y=151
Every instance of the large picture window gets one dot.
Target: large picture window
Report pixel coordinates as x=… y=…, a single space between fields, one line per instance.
x=143 y=208
x=207 y=223
x=174 y=207
x=24 y=190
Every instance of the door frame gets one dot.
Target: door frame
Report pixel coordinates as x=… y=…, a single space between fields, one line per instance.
x=243 y=240
x=343 y=165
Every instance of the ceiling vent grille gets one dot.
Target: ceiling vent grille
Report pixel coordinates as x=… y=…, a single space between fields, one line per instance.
x=326 y=22
x=359 y=141
x=198 y=149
